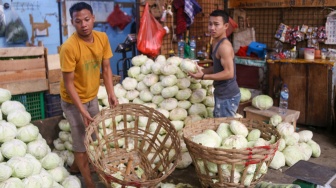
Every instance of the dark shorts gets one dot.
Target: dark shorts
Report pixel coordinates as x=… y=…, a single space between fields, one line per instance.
x=75 y=119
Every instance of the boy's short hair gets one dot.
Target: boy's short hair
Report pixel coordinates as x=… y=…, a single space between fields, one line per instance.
x=80 y=6
x=222 y=14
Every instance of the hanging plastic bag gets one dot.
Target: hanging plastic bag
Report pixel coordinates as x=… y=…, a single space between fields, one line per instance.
x=118 y=18
x=150 y=34
x=232 y=26
x=16 y=32
x=2 y=22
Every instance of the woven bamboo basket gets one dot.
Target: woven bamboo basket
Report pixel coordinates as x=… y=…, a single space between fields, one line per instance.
x=132 y=152
x=215 y=167
x=115 y=79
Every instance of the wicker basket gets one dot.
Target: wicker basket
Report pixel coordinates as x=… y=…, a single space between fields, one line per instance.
x=115 y=79
x=138 y=142
x=226 y=160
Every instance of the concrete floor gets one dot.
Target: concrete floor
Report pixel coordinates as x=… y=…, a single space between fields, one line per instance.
x=324 y=138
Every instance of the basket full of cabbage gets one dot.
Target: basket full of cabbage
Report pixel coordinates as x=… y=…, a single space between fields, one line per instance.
x=231 y=152
x=129 y=150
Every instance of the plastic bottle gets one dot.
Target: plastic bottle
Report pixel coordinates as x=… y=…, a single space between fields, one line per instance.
x=283 y=105
x=192 y=48
x=180 y=46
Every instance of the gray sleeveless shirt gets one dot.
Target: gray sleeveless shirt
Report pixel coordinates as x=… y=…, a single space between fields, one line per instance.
x=224 y=89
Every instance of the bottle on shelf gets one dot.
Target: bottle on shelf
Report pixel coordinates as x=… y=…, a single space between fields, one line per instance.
x=180 y=46
x=283 y=105
x=192 y=48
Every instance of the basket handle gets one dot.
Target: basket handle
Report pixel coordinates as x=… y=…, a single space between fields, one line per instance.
x=129 y=165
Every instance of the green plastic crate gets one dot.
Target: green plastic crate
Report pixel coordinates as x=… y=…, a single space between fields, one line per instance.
x=34 y=103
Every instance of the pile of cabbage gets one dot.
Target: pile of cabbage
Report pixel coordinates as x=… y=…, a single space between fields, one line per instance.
x=164 y=85
x=232 y=135
x=26 y=160
x=293 y=146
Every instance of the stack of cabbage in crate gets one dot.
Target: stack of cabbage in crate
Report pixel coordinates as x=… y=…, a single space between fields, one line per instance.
x=25 y=158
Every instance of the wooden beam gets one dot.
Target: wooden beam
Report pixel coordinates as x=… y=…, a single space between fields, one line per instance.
x=278 y=3
x=26 y=86
x=22 y=51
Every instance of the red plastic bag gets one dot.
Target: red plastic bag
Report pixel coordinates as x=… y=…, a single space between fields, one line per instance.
x=150 y=34
x=118 y=18
x=232 y=26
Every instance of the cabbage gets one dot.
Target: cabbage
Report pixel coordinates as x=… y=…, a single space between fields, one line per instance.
x=198 y=109
x=305 y=135
x=58 y=173
x=234 y=142
x=45 y=178
x=13 y=148
x=5 y=172
x=19 y=117
x=183 y=94
x=275 y=119
x=238 y=128
x=185 y=162
x=316 y=150
x=292 y=154
x=223 y=130
x=306 y=150
x=184 y=104
x=260 y=142
x=262 y=102
x=253 y=135
x=209 y=101
x=64 y=125
x=178 y=114
x=50 y=161
x=157 y=99
x=22 y=167
x=5 y=95
x=214 y=135
x=7 y=131
x=139 y=60
x=278 y=160
x=168 y=69
x=175 y=60
x=141 y=86
x=183 y=83
x=285 y=128
x=150 y=79
x=156 y=67
x=188 y=65
x=102 y=93
x=71 y=182
x=58 y=144
x=27 y=133
x=12 y=183
x=245 y=94
x=282 y=144
x=8 y=106
x=156 y=88
x=36 y=164
x=133 y=72
x=119 y=91
x=169 y=92
x=168 y=104
x=197 y=95
x=205 y=140
x=169 y=80
x=32 y=182
x=164 y=112
x=132 y=94
x=146 y=96
x=146 y=67
x=178 y=125
x=129 y=83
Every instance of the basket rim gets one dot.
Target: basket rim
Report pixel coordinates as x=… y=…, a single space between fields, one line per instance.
x=224 y=120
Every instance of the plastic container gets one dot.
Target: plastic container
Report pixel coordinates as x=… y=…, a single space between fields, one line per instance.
x=193 y=48
x=180 y=47
x=283 y=105
x=34 y=104
x=53 y=105
x=309 y=53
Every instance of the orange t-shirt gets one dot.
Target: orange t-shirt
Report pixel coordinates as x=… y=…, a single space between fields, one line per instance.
x=84 y=59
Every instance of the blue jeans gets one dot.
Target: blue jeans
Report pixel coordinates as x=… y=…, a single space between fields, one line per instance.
x=226 y=107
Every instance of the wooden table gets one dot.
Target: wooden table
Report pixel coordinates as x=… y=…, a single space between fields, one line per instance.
x=264 y=115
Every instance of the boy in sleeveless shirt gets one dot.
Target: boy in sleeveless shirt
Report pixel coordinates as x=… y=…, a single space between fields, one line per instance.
x=85 y=53
x=223 y=72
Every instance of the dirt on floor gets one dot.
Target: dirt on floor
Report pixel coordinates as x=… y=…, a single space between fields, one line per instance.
x=325 y=138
